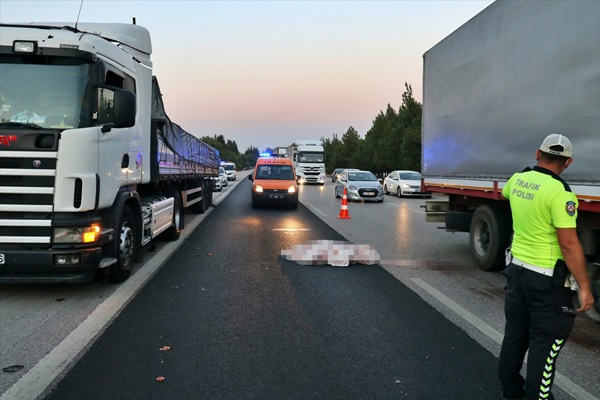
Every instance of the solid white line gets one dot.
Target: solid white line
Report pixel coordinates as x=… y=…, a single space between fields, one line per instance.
x=561 y=381
x=314 y=209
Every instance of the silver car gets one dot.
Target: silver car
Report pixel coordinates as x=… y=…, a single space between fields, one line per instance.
x=359 y=185
x=404 y=183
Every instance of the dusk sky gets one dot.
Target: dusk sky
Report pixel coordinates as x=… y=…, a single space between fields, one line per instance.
x=265 y=73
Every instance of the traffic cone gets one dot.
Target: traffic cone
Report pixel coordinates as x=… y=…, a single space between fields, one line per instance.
x=344 y=210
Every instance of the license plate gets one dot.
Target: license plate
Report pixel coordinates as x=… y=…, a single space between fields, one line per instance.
x=276 y=196
x=2 y=259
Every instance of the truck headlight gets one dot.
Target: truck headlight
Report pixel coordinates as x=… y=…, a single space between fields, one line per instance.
x=82 y=234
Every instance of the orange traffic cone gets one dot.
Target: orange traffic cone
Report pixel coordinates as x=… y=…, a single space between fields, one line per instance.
x=344 y=210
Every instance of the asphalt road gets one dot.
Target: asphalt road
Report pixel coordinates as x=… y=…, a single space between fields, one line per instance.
x=242 y=322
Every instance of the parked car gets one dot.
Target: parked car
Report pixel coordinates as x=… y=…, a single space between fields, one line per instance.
x=359 y=185
x=404 y=183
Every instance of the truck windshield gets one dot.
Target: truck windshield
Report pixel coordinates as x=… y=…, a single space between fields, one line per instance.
x=311 y=157
x=49 y=96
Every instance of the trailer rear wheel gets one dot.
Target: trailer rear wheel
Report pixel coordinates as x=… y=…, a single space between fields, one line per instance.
x=126 y=247
x=174 y=231
x=489 y=236
x=200 y=207
x=209 y=194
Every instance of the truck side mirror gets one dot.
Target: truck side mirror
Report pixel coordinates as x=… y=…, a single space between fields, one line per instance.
x=125 y=109
x=116 y=108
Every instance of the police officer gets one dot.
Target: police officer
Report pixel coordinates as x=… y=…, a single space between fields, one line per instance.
x=545 y=249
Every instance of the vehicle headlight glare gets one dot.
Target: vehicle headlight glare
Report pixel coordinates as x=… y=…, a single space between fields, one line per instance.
x=292 y=189
x=258 y=189
x=83 y=234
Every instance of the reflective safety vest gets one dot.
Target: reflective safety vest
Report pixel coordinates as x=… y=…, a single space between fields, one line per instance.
x=540 y=202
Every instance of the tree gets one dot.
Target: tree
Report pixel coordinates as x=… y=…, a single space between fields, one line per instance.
x=393 y=141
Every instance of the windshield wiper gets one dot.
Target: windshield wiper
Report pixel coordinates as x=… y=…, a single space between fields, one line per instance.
x=22 y=124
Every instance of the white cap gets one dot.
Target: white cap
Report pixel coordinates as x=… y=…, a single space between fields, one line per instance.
x=556 y=139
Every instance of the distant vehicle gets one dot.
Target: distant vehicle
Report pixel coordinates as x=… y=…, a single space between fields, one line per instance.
x=217 y=184
x=360 y=185
x=274 y=182
x=223 y=176
x=229 y=170
x=404 y=183
x=336 y=174
x=309 y=160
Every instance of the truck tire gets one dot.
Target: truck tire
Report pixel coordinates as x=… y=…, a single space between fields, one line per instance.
x=459 y=220
x=200 y=207
x=489 y=236
x=209 y=194
x=126 y=247
x=174 y=231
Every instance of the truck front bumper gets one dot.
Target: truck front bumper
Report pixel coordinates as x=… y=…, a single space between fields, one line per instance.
x=39 y=266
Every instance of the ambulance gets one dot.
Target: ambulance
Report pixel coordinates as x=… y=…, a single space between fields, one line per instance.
x=274 y=182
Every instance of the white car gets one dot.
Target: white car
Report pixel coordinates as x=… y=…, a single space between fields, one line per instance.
x=404 y=183
x=219 y=182
x=230 y=170
x=223 y=176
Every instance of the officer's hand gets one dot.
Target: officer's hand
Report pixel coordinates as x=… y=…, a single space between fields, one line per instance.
x=586 y=299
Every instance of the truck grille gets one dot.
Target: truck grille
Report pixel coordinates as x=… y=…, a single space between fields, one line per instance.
x=311 y=170
x=26 y=199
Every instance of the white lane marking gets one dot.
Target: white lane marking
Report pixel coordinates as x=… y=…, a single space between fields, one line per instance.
x=403 y=205
x=291 y=229
x=314 y=209
x=562 y=381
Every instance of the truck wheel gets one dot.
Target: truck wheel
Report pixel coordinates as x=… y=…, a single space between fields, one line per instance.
x=489 y=236
x=200 y=207
x=174 y=231
x=126 y=247
x=209 y=195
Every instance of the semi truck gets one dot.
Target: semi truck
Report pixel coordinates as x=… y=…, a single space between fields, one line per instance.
x=308 y=157
x=492 y=91
x=91 y=166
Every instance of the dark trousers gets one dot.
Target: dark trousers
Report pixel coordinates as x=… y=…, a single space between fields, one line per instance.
x=539 y=318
